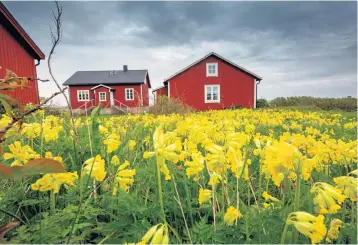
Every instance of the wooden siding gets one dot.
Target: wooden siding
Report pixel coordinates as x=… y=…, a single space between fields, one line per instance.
x=15 y=58
x=236 y=87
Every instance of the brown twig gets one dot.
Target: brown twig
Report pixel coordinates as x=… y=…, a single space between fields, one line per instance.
x=16 y=119
x=56 y=38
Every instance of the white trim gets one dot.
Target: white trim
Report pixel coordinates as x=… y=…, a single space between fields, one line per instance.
x=78 y=93
x=125 y=93
x=141 y=95
x=212 y=86
x=153 y=90
x=255 y=93
x=216 y=69
x=168 y=89
x=220 y=57
x=101 y=85
x=105 y=96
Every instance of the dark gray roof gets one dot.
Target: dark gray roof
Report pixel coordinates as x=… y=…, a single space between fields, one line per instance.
x=107 y=77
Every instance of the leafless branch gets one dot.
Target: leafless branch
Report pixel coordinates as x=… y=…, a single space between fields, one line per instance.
x=16 y=119
x=43 y=80
x=56 y=38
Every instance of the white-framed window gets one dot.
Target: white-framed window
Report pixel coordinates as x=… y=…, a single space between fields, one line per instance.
x=102 y=96
x=129 y=93
x=83 y=95
x=211 y=69
x=212 y=94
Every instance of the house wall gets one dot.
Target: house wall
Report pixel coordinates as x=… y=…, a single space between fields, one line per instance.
x=160 y=92
x=145 y=91
x=15 y=58
x=118 y=95
x=236 y=87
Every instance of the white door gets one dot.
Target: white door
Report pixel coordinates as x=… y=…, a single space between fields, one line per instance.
x=111 y=99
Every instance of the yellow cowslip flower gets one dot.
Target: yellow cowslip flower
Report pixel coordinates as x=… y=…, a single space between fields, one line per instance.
x=231 y=215
x=53 y=182
x=103 y=130
x=215 y=179
x=204 y=195
x=131 y=144
x=333 y=231
x=308 y=225
x=124 y=178
x=348 y=185
x=4 y=121
x=195 y=166
x=51 y=128
x=97 y=166
x=281 y=160
x=115 y=160
x=237 y=164
x=156 y=235
x=215 y=158
x=112 y=142
x=165 y=148
x=49 y=155
x=326 y=198
x=269 y=197
x=266 y=205
x=31 y=130
x=20 y=154
x=354 y=172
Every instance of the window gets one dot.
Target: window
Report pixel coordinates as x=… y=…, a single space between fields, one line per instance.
x=83 y=95
x=212 y=93
x=129 y=94
x=211 y=69
x=102 y=96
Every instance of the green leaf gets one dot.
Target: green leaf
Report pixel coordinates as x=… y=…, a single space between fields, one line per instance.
x=7 y=106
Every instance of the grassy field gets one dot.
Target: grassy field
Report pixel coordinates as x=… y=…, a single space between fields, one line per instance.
x=233 y=176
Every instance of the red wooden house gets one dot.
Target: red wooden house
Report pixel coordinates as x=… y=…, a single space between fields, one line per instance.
x=118 y=88
x=212 y=82
x=18 y=53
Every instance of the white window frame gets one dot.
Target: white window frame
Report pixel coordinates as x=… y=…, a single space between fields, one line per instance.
x=216 y=70
x=212 y=94
x=125 y=93
x=83 y=92
x=105 y=96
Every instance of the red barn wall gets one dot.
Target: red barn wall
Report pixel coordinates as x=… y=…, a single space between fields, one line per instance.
x=145 y=92
x=236 y=87
x=15 y=58
x=161 y=92
x=72 y=90
x=118 y=95
x=105 y=104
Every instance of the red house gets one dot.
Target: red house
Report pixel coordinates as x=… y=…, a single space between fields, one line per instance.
x=122 y=89
x=18 y=53
x=212 y=82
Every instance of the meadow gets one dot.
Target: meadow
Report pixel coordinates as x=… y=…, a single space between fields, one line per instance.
x=232 y=176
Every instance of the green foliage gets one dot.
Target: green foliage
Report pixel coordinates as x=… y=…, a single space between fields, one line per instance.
x=344 y=104
x=262 y=103
x=166 y=105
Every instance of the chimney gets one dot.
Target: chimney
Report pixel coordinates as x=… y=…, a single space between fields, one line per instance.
x=125 y=68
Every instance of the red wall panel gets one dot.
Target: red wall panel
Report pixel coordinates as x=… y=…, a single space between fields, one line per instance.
x=236 y=87
x=118 y=95
x=15 y=58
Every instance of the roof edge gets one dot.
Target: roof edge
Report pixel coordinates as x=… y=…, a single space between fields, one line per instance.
x=220 y=57
x=21 y=31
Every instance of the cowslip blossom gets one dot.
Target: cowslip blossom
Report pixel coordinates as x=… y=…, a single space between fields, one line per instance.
x=98 y=169
x=231 y=215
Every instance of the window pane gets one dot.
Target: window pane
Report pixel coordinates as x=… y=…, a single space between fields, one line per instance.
x=208 y=97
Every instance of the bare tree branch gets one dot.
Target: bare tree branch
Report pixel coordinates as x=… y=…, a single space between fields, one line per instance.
x=56 y=38
x=16 y=119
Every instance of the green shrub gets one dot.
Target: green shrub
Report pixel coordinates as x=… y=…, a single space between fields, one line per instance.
x=165 y=105
x=345 y=104
x=261 y=103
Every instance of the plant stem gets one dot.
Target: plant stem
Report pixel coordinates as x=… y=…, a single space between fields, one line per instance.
x=297 y=203
x=52 y=202
x=160 y=190
x=284 y=233
x=247 y=217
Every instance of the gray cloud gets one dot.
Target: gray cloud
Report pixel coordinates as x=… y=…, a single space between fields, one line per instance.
x=299 y=48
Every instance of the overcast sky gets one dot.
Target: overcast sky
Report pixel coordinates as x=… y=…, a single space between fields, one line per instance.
x=298 y=48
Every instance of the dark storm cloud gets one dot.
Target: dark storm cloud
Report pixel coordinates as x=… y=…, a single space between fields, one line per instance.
x=299 y=48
